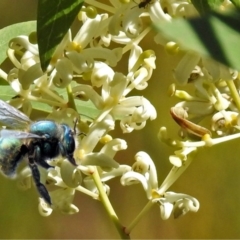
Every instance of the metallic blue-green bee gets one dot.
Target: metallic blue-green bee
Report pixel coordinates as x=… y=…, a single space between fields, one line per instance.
x=42 y=141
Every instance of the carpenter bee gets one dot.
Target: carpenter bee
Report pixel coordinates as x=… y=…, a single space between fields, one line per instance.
x=43 y=140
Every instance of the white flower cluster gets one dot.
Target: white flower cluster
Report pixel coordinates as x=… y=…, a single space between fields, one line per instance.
x=86 y=63
x=211 y=113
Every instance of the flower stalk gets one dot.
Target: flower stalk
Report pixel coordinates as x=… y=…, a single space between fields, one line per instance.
x=71 y=102
x=108 y=206
x=234 y=93
x=136 y=220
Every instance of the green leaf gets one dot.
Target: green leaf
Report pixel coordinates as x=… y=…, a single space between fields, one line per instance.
x=3 y=82
x=9 y=32
x=86 y=109
x=54 y=18
x=205 y=6
x=6 y=92
x=236 y=3
x=216 y=36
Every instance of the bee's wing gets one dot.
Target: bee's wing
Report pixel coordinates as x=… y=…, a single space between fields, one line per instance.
x=6 y=133
x=11 y=117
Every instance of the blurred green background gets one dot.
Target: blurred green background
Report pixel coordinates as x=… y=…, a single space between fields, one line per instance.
x=213 y=177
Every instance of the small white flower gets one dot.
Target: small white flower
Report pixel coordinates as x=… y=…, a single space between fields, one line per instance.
x=225 y=122
x=44 y=209
x=157 y=13
x=64 y=73
x=185 y=67
x=96 y=132
x=176 y=203
x=144 y=172
x=62 y=199
x=88 y=31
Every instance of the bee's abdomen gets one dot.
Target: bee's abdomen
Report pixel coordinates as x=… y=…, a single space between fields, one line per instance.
x=11 y=152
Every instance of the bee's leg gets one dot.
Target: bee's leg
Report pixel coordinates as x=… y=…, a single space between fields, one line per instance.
x=38 y=158
x=43 y=164
x=36 y=177
x=69 y=157
x=40 y=187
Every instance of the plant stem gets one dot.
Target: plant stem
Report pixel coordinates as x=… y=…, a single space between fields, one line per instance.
x=52 y=94
x=107 y=204
x=71 y=102
x=175 y=173
x=3 y=75
x=139 y=216
x=234 y=93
